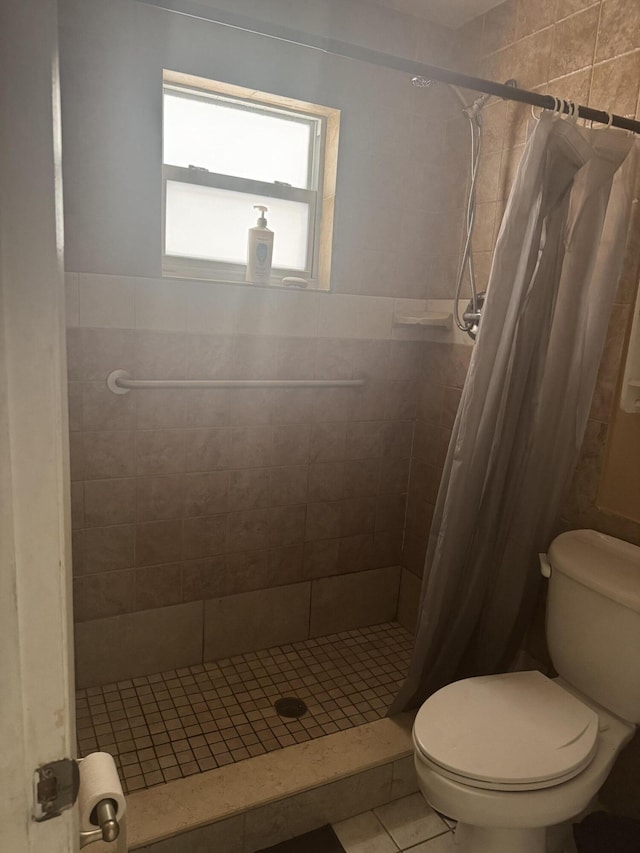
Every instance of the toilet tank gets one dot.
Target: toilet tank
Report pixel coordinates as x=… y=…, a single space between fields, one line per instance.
x=593 y=618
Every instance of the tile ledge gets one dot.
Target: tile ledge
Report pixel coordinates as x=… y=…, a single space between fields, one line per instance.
x=186 y=804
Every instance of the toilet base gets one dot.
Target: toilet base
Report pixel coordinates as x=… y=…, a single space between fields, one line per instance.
x=482 y=839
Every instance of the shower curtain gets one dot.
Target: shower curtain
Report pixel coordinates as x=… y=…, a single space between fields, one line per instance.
x=526 y=400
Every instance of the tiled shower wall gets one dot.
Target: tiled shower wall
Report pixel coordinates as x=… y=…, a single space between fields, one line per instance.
x=281 y=509
x=588 y=52
x=211 y=523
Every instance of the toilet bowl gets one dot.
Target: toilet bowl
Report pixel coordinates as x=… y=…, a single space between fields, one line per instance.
x=508 y=813
x=509 y=756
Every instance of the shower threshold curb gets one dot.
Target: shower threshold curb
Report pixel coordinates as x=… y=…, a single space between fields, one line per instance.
x=185 y=805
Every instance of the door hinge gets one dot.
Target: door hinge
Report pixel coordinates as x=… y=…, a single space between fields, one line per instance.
x=56 y=788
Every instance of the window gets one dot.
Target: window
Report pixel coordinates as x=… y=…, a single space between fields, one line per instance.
x=226 y=149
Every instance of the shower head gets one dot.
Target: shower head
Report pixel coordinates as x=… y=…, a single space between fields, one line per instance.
x=421 y=82
x=476 y=106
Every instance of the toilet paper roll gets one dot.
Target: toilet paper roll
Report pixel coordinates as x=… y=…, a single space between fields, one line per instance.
x=99 y=780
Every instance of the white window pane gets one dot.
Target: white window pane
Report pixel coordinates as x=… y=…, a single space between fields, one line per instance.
x=246 y=143
x=213 y=224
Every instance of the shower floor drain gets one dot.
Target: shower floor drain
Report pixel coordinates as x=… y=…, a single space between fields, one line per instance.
x=290 y=706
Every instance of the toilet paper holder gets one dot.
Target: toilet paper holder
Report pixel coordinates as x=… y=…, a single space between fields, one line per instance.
x=107 y=827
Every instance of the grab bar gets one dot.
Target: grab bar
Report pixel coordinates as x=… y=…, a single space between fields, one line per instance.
x=120 y=382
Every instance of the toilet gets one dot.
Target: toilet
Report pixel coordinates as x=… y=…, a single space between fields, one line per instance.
x=509 y=756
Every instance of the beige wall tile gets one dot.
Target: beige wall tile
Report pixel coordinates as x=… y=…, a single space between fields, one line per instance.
x=103 y=410
x=207 y=449
x=361 y=477
x=323 y=520
x=160 y=355
x=287 y=524
x=285 y=565
x=222 y=835
x=159 y=498
x=320 y=558
x=408 y=600
x=203 y=579
x=404 y=780
x=106 y=350
x=208 y=407
x=158 y=586
x=570 y=7
x=247 y=571
x=211 y=308
x=72 y=299
x=619 y=30
x=255 y=357
x=160 y=451
x=109 y=502
x=326 y=481
x=294 y=405
x=120 y=647
x=109 y=454
x=76 y=455
x=209 y=356
x=108 y=548
x=247 y=530
x=106 y=300
x=204 y=537
x=249 y=488
x=534 y=15
x=374 y=317
x=256 y=312
x=338 y=317
x=615 y=85
x=351 y=601
x=77 y=505
x=158 y=542
x=256 y=620
x=296 y=313
x=327 y=804
x=250 y=406
x=574 y=41
x=207 y=493
x=288 y=485
x=160 y=408
x=160 y=304
x=105 y=594
x=74 y=394
x=500 y=26
x=250 y=447
x=334 y=359
x=296 y=358
x=290 y=444
x=364 y=440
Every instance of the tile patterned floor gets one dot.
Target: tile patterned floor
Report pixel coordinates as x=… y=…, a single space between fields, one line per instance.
x=177 y=723
x=410 y=825
x=407 y=825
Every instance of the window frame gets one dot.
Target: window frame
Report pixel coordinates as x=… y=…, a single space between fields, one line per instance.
x=317 y=119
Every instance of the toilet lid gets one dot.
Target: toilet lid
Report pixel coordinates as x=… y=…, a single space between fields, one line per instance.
x=517 y=730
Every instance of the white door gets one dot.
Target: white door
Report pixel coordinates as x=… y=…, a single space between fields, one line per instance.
x=36 y=673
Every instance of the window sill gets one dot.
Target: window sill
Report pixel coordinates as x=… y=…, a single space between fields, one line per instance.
x=276 y=281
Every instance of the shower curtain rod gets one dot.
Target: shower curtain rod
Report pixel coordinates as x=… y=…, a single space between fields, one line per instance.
x=346 y=50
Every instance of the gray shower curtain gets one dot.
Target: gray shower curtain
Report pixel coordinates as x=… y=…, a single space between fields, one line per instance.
x=526 y=400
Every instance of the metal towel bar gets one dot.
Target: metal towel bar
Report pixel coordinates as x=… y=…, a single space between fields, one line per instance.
x=120 y=382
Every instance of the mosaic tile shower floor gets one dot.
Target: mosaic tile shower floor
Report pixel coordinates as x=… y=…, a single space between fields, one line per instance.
x=185 y=721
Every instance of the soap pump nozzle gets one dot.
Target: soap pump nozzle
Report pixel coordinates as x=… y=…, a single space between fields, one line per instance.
x=262 y=219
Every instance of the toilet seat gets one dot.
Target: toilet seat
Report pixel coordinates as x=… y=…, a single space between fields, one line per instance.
x=516 y=731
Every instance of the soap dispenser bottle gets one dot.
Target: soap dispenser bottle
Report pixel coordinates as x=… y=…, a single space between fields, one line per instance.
x=260 y=249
